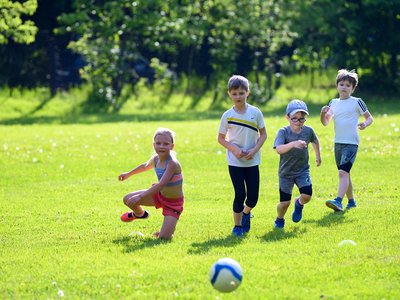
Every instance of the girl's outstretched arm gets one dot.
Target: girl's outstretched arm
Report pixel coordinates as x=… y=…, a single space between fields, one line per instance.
x=139 y=169
x=169 y=172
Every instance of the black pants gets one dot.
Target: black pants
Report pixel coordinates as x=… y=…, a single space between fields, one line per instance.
x=246 y=182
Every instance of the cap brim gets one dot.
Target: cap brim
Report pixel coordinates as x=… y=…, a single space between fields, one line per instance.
x=297 y=110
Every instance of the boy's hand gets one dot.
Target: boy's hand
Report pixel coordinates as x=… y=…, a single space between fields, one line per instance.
x=249 y=154
x=299 y=144
x=325 y=109
x=318 y=161
x=239 y=153
x=362 y=126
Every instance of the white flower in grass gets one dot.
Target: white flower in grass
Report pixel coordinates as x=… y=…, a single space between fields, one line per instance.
x=34 y=159
x=40 y=150
x=17 y=148
x=396 y=129
x=186 y=142
x=60 y=293
x=219 y=152
x=5 y=147
x=118 y=286
x=98 y=135
x=61 y=166
x=86 y=146
x=54 y=144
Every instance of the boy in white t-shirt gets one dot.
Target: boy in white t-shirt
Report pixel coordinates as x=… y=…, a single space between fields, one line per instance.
x=242 y=132
x=345 y=112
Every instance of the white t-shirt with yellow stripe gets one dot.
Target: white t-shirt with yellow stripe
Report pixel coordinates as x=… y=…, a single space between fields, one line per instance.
x=242 y=130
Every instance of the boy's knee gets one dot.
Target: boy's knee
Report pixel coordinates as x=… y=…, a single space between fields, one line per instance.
x=343 y=173
x=306 y=191
x=305 y=197
x=237 y=207
x=345 y=168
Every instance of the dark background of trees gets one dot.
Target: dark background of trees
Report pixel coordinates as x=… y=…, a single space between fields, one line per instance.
x=111 y=44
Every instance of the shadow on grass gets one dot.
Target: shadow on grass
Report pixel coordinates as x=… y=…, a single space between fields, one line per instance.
x=276 y=235
x=228 y=241
x=135 y=243
x=75 y=117
x=330 y=218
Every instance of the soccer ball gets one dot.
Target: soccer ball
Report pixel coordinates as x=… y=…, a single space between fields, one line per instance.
x=226 y=275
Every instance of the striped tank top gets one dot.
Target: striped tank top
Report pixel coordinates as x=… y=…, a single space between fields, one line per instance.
x=176 y=178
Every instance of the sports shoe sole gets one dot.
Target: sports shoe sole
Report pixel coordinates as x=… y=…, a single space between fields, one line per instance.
x=333 y=206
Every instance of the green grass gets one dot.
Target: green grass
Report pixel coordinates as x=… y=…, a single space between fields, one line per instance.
x=61 y=202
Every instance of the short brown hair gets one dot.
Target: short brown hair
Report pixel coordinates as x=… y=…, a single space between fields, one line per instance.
x=238 y=81
x=350 y=76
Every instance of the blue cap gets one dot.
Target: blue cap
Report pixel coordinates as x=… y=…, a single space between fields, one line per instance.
x=295 y=106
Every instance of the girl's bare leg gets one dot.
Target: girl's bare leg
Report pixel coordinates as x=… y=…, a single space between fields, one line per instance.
x=135 y=205
x=167 y=228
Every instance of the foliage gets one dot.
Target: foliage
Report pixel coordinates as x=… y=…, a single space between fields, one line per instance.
x=114 y=34
x=12 y=24
x=201 y=43
x=358 y=35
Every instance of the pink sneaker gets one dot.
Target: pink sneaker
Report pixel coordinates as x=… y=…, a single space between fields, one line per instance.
x=130 y=216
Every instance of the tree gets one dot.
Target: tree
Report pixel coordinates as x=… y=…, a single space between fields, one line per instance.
x=360 y=35
x=12 y=26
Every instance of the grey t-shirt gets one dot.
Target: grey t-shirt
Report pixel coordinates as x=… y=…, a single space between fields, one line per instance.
x=295 y=161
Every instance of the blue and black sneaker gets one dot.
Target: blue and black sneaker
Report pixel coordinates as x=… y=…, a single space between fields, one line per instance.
x=237 y=231
x=246 y=222
x=351 y=204
x=298 y=211
x=279 y=223
x=334 y=204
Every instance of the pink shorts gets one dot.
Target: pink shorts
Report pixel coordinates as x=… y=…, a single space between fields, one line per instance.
x=171 y=206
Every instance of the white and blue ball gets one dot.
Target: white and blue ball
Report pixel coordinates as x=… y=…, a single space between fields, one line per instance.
x=226 y=275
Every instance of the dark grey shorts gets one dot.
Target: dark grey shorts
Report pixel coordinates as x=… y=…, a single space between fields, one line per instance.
x=345 y=155
x=286 y=183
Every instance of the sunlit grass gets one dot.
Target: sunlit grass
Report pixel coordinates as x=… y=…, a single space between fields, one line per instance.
x=61 y=236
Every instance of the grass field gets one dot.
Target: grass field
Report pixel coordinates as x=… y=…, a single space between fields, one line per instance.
x=61 y=236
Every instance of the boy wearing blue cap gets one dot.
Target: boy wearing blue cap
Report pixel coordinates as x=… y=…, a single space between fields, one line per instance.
x=291 y=144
